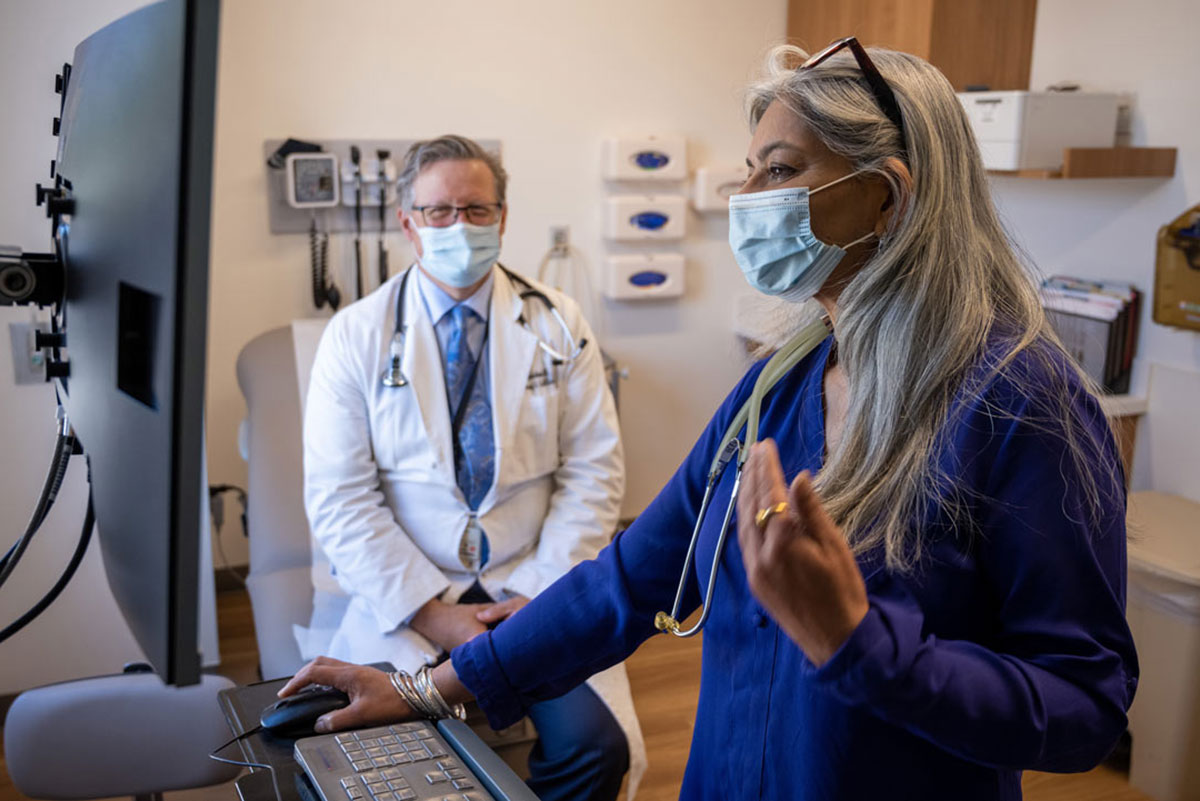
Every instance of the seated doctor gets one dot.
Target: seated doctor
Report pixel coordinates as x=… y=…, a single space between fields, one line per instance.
x=461 y=453
x=925 y=592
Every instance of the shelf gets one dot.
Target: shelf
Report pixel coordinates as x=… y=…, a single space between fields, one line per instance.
x=1106 y=162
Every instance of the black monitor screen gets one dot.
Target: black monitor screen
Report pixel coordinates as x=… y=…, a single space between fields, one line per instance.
x=135 y=155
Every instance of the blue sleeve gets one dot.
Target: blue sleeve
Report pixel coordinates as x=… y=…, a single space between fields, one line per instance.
x=603 y=609
x=1047 y=687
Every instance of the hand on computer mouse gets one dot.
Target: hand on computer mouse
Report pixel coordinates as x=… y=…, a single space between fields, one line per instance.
x=296 y=715
x=373 y=701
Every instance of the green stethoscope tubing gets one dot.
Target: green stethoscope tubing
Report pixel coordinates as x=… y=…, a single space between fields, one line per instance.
x=776 y=368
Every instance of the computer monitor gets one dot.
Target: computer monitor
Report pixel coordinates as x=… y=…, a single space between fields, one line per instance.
x=134 y=178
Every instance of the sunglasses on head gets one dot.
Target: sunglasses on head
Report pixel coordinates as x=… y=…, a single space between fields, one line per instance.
x=883 y=93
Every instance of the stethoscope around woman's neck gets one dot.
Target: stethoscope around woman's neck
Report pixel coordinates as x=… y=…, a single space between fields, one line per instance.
x=394 y=376
x=776 y=368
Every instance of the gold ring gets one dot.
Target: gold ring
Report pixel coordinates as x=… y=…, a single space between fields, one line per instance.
x=764 y=515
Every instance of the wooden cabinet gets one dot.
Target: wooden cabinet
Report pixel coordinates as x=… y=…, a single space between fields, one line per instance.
x=973 y=42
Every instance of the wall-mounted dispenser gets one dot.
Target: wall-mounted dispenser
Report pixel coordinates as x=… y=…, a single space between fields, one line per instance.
x=712 y=187
x=643 y=276
x=636 y=218
x=650 y=158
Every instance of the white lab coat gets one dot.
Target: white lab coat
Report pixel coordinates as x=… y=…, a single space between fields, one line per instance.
x=380 y=489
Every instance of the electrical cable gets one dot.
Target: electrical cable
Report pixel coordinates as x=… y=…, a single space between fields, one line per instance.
x=383 y=156
x=356 y=159
x=213 y=756
x=216 y=505
x=314 y=252
x=63 y=447
x=85 y=538
x=323 y=290
x=572 y=277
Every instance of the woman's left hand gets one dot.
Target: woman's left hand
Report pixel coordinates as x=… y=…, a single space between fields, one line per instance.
x=797 y=563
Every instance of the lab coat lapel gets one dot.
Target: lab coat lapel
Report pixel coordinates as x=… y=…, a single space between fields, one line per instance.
x=423 y=365
x=512 y=350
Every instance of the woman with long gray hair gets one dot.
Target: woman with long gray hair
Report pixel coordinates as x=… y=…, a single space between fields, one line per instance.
x=926 y=594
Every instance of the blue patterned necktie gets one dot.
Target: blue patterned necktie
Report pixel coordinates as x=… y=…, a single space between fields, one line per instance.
x=470 y=412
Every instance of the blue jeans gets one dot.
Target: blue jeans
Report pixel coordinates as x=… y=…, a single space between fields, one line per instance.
x=581 y=753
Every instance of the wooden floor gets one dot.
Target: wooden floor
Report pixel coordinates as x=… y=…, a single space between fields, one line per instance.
x=665 y=676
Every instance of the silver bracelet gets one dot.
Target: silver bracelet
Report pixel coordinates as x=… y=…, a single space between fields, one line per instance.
x=402 y=683
x=429 y=690
x=422 y=695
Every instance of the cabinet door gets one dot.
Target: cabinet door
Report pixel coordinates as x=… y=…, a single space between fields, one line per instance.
x=898 y=24
x=983 y=42
x=973 y=42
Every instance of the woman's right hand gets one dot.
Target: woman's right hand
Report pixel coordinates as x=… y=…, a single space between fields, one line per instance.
x=373 y=700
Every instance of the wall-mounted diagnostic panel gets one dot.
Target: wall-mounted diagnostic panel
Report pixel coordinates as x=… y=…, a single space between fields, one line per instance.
x=712 y=187
x=643 y=276
x=323 y=181
x=636 y=218
x=650 y=158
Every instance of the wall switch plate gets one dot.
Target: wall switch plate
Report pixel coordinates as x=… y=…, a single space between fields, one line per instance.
x=29 y=363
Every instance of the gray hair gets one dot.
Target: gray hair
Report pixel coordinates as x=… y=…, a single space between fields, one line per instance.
x=450 y=147
x=942 y=290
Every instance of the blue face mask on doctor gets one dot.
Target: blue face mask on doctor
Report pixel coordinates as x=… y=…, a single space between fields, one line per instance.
x=459 y=254
x=772 y=239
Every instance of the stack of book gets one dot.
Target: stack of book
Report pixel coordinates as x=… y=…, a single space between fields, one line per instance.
x=1098 y=323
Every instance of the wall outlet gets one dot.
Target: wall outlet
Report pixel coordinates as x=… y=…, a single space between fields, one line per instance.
x=29 y=363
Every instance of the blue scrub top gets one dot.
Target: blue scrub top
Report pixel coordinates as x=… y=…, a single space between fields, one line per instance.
x=1006 y=649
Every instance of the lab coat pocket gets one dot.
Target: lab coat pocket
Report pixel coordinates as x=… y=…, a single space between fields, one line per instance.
x=534 y=450
x=398 y=435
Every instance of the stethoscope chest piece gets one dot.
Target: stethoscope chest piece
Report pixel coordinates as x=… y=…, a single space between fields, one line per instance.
x=732 y=449
x=393 y=376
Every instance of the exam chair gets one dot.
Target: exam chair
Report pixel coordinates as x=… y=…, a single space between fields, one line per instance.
x=121 y=735
x=271 y=369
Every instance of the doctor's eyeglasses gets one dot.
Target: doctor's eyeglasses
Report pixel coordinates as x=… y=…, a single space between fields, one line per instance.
x=444 y=214
x=883 y=93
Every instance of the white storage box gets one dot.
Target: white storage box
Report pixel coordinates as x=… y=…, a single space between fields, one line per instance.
x=1020 y=130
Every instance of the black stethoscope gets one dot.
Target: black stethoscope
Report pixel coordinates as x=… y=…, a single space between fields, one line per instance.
x=393 y=376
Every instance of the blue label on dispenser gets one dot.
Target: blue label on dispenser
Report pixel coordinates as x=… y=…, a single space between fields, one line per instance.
x=651 y=159
x=647 y=278
x=649 y=220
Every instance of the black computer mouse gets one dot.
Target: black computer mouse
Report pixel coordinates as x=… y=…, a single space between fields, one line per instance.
x=295 y=715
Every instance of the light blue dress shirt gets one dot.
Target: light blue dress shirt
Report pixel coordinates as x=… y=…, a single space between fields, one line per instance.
x=438 y=305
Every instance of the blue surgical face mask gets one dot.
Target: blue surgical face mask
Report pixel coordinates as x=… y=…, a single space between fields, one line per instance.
x=772 y=239
x=460 y=254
